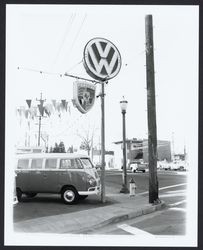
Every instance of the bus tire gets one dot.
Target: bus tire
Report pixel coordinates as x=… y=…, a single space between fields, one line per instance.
x=69 y=195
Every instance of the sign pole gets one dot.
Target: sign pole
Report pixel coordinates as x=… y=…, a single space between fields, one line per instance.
x=103 y=200
x=97 y=53
x=151 y=112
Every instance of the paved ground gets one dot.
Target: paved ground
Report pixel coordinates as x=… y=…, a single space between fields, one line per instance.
x=118 y=207
x=78 y=222
x=48 y=205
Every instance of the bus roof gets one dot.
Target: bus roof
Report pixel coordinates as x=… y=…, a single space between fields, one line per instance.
x=50 y=155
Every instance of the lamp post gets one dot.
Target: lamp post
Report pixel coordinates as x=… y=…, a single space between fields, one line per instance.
x=124 y=188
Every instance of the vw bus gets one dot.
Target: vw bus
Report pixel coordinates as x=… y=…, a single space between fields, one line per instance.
x=72 y=176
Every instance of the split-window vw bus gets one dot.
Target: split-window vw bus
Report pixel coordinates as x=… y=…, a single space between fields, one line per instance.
x=71 y=175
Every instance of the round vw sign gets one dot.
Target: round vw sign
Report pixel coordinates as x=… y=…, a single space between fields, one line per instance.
x=102 y=59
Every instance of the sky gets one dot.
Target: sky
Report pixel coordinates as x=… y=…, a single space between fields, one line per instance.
x=52 y=39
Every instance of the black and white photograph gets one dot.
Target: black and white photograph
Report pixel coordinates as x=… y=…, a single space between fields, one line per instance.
x=101 y=125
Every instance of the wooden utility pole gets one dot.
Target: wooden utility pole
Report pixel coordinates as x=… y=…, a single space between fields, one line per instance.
x=41 y=115
x=151 y=112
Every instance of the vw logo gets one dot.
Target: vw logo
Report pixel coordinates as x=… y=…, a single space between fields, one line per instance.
x=102 y=59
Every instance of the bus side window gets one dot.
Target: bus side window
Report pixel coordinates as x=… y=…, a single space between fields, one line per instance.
x=23 y=164
x=65 y=164
x=36 y=163
x=78 y=164
x=50 y=163
x=70 y=164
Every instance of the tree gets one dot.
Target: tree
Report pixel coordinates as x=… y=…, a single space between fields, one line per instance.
x=61 y=147
x=70 y=149
x=86 y=145
x=56 y=148
x=87 y=140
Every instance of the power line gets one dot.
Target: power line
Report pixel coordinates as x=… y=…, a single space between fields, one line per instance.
x=58 y=74
x=77 y=34
x=68 y=28
x=74 y=66
x=39 y=71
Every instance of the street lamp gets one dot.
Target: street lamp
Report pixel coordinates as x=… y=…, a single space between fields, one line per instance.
x=124 y=188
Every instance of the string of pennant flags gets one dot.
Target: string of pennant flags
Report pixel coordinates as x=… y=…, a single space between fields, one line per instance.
x=43 y=109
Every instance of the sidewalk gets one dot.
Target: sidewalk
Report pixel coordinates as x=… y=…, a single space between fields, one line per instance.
x=123 y=207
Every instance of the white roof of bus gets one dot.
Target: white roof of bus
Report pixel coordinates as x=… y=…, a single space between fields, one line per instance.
x=51 y=155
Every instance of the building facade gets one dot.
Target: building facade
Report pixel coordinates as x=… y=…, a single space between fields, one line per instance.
x=137 y=149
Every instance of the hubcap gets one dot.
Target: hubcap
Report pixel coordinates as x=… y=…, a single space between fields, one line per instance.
x=69 y=196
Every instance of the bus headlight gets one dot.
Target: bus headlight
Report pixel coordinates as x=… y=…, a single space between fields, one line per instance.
x=92 y=182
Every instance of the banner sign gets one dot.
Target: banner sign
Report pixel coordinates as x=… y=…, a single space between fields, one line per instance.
x=83 y=95
x=101 y=59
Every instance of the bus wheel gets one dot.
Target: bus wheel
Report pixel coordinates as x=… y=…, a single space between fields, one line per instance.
x=19 y=194
x=69 y=195
x=82 y=197
x=30 y=195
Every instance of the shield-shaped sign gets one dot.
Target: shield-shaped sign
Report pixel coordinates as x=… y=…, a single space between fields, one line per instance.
x=83 y=95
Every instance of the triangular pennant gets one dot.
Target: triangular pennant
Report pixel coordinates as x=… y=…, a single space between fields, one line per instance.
x=29 y=103
x=58 y=106
x=47 y=111
x=54 y=103
x=41 y=109
x=63 y=103
x=26 y=114
x=41 y=102
x=66 y=106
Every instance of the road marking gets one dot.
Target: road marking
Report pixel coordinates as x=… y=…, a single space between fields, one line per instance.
x=171 y=195
x=176 y=191
x=177 y=203
x=133 y=230
x=177 y=185
x=178 y=209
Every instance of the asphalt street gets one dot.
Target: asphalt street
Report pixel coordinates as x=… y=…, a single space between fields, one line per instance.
x=46 y=204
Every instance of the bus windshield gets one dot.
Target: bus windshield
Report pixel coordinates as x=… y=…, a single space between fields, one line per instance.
x=86 y=163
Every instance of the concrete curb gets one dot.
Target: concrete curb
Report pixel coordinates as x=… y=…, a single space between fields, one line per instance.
x=116 y=219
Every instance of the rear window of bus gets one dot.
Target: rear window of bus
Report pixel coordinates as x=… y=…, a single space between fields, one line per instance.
x=23 y=163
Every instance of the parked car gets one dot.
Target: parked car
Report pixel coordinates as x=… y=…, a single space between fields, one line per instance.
x=178 y=165
x=163 y=165
x=138 y=166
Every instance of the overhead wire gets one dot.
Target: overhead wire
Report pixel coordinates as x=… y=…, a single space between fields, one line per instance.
x=68 y=28
x=74 y=66
x=76 y=36
x=40 y=71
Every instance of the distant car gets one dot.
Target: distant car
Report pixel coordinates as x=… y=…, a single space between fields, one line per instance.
x=138 y=166
x=178 y=165
x=98 y=166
